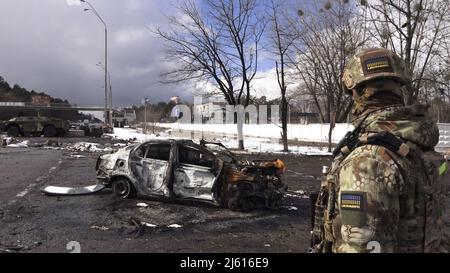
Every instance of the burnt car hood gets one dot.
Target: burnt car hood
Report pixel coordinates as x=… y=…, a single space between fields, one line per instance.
x=108 y=161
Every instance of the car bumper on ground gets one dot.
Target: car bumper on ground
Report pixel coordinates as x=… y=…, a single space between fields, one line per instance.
x=103 y=180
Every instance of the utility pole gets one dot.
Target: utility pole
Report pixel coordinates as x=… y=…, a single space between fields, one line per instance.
x=146 y=100
x=110 y=94
x=106 y=63
x=145 y=118
x=110 y=103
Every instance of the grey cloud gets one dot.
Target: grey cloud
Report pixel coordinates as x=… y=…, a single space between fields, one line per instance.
x=50 y=46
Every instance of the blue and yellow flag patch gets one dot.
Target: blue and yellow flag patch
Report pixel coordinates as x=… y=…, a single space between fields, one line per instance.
x=378 y=64
x=352 y=201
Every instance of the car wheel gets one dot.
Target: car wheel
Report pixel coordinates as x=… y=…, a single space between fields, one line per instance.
x=50 y=131
x=233 y=203
x=13 y=131
x=123 y=188
x=248 y=204
x=62 y=133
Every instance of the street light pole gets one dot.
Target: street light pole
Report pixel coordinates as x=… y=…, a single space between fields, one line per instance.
x=106 y=60
x=110 y=103
x=110 y=94
x=145 y=118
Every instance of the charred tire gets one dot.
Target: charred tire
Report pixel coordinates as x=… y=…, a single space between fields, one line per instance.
x=61 y=132
x=96 y=132
x=123 y=188
x=50 y=131
x=13 y=131
x=233 y=203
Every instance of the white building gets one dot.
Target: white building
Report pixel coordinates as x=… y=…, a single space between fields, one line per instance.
x=124 y=117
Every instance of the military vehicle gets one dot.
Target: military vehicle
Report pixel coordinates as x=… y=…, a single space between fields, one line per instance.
x=36 y=126
x=91 y=129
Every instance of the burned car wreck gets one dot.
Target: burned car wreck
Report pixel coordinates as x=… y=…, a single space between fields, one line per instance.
x=178 y=170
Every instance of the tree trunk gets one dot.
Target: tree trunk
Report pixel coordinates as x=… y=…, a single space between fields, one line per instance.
x=330 y=136
x=285 y=139
x=240 y=128
x=284 y=121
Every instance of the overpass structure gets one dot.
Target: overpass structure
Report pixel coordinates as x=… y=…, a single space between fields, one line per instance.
x=52 y=106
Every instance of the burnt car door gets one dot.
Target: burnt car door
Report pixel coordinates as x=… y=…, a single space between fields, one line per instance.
x=195 y=173
x=152 y=167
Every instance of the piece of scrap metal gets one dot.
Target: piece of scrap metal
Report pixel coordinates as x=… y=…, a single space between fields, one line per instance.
x=52 y=190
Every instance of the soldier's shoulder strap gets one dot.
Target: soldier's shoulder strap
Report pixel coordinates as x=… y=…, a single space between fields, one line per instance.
x=386 y=140
x=383 y=139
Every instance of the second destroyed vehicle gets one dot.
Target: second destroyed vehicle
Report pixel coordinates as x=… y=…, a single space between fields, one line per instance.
x=91 y=129
x=183 y=170
x=36 y=126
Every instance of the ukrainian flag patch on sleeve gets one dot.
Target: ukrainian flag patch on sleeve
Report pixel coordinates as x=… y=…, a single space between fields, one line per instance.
x=352 y=201
x=353 y=208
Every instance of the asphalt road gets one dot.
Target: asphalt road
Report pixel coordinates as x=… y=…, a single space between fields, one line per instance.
x=32 y=222
x=22 y=169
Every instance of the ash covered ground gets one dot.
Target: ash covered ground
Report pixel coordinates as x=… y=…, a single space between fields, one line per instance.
x=33 y=222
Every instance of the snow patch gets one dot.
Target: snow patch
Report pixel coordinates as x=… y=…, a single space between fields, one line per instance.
x=23 y=144
x=77 y=156
x=102 y=228
x=301 y=196
x=88 y=147
x=291 y=208
x=149 y=225
x=252 y=144
x=175 y=226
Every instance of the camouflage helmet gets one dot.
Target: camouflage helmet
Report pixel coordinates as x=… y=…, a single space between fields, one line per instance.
x=373 y=63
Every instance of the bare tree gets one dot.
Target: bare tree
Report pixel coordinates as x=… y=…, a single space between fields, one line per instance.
x=417 y=30
x=436 y=86
x=218 y=43
x=328 y=35
x=281 y=38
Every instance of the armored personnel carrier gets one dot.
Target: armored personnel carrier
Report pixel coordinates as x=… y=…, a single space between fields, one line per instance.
x=36 y=126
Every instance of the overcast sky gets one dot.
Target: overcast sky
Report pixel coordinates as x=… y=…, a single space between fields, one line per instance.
x=51 y=46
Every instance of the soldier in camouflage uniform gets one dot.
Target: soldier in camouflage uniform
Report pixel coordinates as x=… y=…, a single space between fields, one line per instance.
x=385 y=191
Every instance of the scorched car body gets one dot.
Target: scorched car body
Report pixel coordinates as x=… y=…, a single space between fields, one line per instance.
x=183 y=170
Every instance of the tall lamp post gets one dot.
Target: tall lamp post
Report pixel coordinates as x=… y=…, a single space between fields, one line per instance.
x=110 y=93
x=91 y=8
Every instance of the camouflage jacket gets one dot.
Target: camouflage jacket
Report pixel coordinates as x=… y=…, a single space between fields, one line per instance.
x=390 y=201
